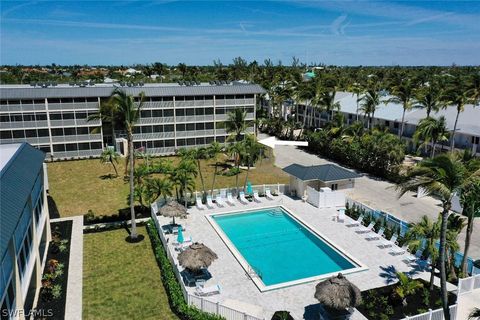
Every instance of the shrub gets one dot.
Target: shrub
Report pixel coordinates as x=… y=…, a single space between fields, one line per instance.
x=172 y=287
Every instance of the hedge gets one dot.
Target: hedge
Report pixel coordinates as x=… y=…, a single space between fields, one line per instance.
x=174 y=292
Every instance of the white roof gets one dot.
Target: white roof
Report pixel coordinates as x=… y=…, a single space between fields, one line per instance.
x=468 y=121
x=6 y=153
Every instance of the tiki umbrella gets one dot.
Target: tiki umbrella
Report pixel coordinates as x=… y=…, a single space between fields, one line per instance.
x=338 y=293
x=196 y=257
x=173 y=209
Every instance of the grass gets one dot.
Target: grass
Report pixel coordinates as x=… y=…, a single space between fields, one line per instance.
x=122 y=280
x=82 y=185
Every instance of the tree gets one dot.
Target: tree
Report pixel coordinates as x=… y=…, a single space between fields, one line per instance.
x=214 y=150
x=235 y=150
x=125 y=105
x=473 y=88
x=442 y=176
x=402 y=93
x=357 y=89
x=182 y=67
x=370 y=102
x=425 y=233
x=455 y=225
x=109 y=155
x=456 y=95
x=236 y=124
x=428 y=97
x=183 y=178
x=251 y=152
x=159 y=187
x=326 y=101
x=431 y=130
x=306 y=93
x=406 y=286
x=475 y=314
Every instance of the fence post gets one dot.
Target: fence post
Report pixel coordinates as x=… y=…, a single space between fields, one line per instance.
x=430 y=314
x=472 y=286
x=201 y=304
x=218 y=308
x=244 y=316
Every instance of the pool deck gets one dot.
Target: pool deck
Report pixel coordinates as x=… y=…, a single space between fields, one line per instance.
x=299 y=300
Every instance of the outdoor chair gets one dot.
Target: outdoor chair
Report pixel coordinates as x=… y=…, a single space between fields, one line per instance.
x=242 y=198
x=367 y=229
x=207 y=291
x=355 y=223
x=200 y=205
x=220 y=202
x=230 y=200
x=375 y=236
x=268 y=194
x=256 y=197
x=210 y=203
x=412 y=258
x=399 y=251
x=389 y=243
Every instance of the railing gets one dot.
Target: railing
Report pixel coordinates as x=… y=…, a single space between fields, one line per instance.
x=435 y=314
x=199 y=302
x=403 y=226
x=469 y=284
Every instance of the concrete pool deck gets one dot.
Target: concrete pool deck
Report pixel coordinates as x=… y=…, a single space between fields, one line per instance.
x=237 y=286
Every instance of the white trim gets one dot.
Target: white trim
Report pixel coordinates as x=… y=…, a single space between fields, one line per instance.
x=246 y=266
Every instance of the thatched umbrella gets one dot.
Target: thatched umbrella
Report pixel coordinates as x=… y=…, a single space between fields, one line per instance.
x=173 y=209
x=338 y=293
x=196 y=257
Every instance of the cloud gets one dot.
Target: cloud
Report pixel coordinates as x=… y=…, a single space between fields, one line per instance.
x=337 y=25
x=16 y=7
x=428 y=19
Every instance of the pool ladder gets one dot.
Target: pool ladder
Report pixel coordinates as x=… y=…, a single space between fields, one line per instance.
x=253 y=273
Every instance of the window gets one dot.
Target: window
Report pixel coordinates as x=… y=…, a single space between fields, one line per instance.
x=158 y=144
x=156 y=113
x=157 y=128
x=16 y=117
x=190 y=126
x=387 y=123
x=84 y=146
x=220 y=139
x=181 y=142
x=189 y=98
x=18 y=134
x=180 y=112
x=68 y=116
x=55 y=116
x=475 y=140
x=209 y=140
x=4 y=118
x=199 y=111
x=200 y=126
x=200 y=141
x=42 y=132
x=209 y=126
x=334 y=186
x=167 y=98
x=39 y=101
x=145 y=113
x=168 y=128
x=82 y=130
x=53 y=100
x=6 y=134
x=58 y=148
x=13 y=101
x=156 y=99
x=191 y=142
x=220 y=111
x=208 y=111
x=147 y=129
x=92 y=99
x=395 y=125
x=71 y=147
x=95 y=145
x=81 y=115
x=180 y=127
x=190 y=112
x=69 y=131
x=170 y=143
x=30 y=133
x=168 y=113
x=41 y=116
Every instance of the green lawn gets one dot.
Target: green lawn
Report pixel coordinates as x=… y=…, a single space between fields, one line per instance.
x=122 y=280
x=81 y=185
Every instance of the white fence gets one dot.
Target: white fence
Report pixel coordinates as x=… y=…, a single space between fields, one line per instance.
x=468 y=284
x=199 y=302
x=325 y=198
x=435 y=314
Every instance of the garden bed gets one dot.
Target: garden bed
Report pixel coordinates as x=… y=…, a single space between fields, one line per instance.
x=382 y=304
x=53 y=294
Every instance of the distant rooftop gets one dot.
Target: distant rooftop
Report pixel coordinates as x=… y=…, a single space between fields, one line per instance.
x=325 y=172
x=83 y=89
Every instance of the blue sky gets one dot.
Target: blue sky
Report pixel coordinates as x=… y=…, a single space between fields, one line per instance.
x=339 y=32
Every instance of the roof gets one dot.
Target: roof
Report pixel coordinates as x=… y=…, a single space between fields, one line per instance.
x=7 y=152
x=468 y=121
x=17 y=178
x=324 y=172
x=105 y=90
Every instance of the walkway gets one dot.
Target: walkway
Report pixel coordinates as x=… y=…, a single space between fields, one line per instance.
x=467 y=302
x=380 y=194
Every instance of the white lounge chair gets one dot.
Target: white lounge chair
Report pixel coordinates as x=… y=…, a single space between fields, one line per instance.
x=412 y=258
x=242 y=198
x=375 y=236
x=230 y=200
x=200 y=205
x=355 y=223
x=388 y=243
x=367 y=229
x=399 y=251
x=220 y=202
x=256 y=197
x=268 y=194
x=210 y=203
x=341 y=215
x=207 y=291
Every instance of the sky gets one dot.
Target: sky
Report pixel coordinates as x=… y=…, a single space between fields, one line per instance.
x=199 y=32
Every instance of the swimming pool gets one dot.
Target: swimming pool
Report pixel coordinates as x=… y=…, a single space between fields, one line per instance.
x=279 y=248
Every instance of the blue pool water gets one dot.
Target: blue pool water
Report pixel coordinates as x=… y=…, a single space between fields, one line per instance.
x=278 y=247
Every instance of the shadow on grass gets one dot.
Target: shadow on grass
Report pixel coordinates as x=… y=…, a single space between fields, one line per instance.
x=52 y=208
x=129 y=238
x=108 y=176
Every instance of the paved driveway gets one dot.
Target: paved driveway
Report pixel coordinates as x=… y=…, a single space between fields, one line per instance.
x=380 y=194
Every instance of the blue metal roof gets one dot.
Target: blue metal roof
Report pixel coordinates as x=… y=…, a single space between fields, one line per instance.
x=17 y=178
x=325 y=173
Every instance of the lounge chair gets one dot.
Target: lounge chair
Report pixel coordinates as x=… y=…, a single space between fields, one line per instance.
x=367 y=229
x=375 y=236
x=412 y=258
x=341 y=215
x=268 y=194
x=399 y=251
x=230 y=200
x=388 y=243
x=210 y=203
x=355 y=223
x=256 y=197
x=219 y=201
x=242 y=198
x=200 y=205
x=207 y=291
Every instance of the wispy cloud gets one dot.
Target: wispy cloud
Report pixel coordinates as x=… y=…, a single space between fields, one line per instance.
x=8 y=11
x=429 y=19
x=337 y=26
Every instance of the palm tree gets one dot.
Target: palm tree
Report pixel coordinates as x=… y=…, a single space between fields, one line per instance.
x=252 y=151
x=470 y=200
x=109 y=155
x=406 y=286
x=456 y=95
x=326 y=101
x=236 y=124
x=442 y=176
x=425 y=232
x=183 y=178
x=108 y=114
x=353 y=132
x=429 y=97
x=160 y=187
x=214 y=150
x=125 y=105
x=306 y=93
x=235 y=150
x=455 y=225
x=357 y=89
x=370 y=102
x=402 y=93
x=196 y=155
x=473 y=88
x=431 y=130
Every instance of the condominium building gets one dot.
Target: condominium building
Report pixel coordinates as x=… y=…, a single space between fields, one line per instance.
x=54 y=118
x=24 y=227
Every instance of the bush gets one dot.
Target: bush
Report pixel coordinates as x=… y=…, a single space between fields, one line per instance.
x=172 y=287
